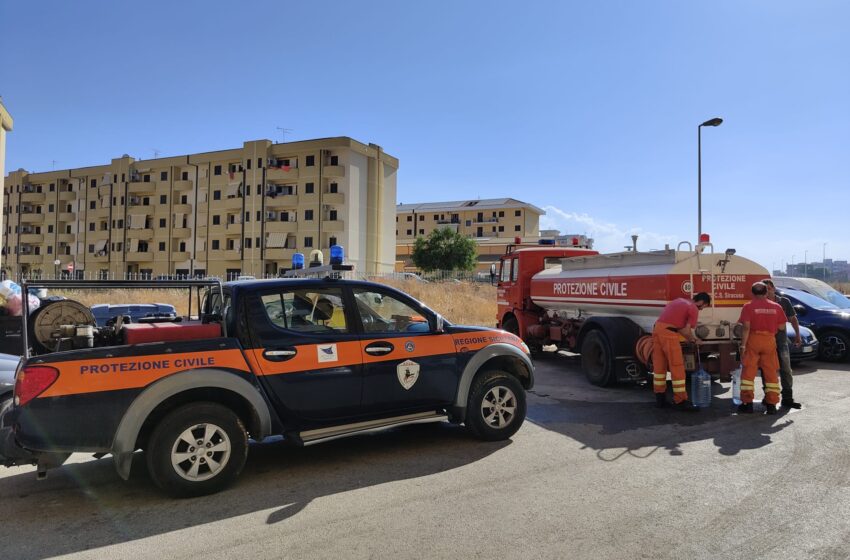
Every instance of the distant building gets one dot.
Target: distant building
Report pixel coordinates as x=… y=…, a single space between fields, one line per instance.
x=493 y=223
x=226 y=213
x=5 y=126
x=829 y=270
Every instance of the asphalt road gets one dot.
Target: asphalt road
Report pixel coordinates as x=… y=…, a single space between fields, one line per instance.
x=594 y=473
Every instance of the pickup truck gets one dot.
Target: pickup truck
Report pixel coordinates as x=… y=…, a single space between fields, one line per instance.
x=309 y=359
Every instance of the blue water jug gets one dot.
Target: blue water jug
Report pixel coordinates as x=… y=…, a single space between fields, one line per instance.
x=701 y=387
x=736 y=386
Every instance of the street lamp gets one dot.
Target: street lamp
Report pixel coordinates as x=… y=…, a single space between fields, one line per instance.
x=716 y=121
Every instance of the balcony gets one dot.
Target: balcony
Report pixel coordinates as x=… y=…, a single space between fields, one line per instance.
x=100 y=235
x=229 y=203
x=32 y=238
x=279 y=175
x=178 y=256
x=65 y=237
x=282 y=201
x=279 y=254
x=282 y=227
x=139 y=209
x=143 y=234
x=139 y=257
x=98 y=213
x=333 y=226
x=30 y=259
x=333 y=171
x=486 y=221
x=138 y=187
x=67 y=217
x=333 y=198
x=234 y=228
x=104 y=190
x=32 y=197
x=231 y=255
x=182 y=186
x=181 y=232
x=32 y=218
x=95 y=258
x=66 y=196
x=181 y=209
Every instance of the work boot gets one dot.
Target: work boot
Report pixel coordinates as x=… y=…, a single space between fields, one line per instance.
x=770 y=408
x=660 y=400
x=745 y=408
x=791 y=403
x=685 y=406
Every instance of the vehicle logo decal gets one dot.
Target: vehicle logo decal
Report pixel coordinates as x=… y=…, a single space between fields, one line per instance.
x=327 y=353
x=408 y=373
x=409 y=346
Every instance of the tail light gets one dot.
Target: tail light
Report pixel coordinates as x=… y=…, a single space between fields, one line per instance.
x=33 y=381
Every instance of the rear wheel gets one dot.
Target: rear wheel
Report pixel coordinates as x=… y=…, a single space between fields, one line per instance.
x=597 y=359
x=496 y=406
x=834 y=346
x=197 y=449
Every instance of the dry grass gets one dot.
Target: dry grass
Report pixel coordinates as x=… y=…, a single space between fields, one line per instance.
x=464 y=303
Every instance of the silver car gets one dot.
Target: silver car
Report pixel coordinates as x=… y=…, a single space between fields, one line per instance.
x=8 y=366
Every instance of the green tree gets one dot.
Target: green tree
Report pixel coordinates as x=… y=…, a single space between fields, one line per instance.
x=444 y=249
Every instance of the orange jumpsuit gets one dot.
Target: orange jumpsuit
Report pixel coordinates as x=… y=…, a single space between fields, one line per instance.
x=667 y=347
x=765 y=318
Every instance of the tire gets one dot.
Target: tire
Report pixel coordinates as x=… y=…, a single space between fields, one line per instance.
x=597 y=359
x=218 y=428
x=834 y=346
x=496 y=406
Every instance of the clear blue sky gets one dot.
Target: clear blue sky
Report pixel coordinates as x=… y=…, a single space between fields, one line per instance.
x=588 y=109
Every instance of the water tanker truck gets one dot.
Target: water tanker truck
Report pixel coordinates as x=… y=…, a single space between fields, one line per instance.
x=604 y=306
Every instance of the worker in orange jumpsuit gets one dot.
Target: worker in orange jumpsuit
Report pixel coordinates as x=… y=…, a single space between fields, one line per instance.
x=678 y=318
x=761 y=318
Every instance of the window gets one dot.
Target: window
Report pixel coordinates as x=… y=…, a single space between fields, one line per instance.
x=248 y=239
x=308 y=241
x=216 y=195
x=259 y=162
x=215 y=244
x=310 y=161
x=259 y=189
x=308 y=214
x=91 y=248
x=517 y=228
x=307 y=310
x=52 y=187
x=162 y=245
x=384 y=314
x=49 y=229
x=91 y=226
x=184 y=176
x=501 y=228
x=92 y=205
x=184 y=199
x=333 y=188
x=182 y=246
x=163 y=199
x=120 y=224
x=162 y=222
x=331 y=241
x=104 y=226
x=49 y=249
x=217 y=170
x=308 y=188
x=332 y=216
x=334 y=160
x=514 y=270
x=163 y=175
x=505 y=272
x=518 y=213
x=501 y=213
x=50 y=208
x=146 y=178
x=410 y=232
x=146 y=201
x=410 y=218
x=436 y=217
x=421 y=232
x=93 y=183
x=248 y=164
x=216 y=220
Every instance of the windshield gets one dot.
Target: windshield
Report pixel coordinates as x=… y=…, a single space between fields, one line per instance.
x=836 y=298
x=810 y=300
x=823 y=290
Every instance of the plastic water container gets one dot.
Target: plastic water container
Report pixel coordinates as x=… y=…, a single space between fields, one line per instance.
x=298 y=261
x=701 y=388
x=337 y=254
x=736 y=385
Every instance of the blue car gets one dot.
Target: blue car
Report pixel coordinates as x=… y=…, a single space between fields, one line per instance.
x=830 y=323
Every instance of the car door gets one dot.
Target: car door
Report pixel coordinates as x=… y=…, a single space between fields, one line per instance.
x=305 y=353
x=406 y=364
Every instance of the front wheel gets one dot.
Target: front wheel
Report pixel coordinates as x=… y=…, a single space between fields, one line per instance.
x=197 y=449
x=834 y=346
x=496 y=406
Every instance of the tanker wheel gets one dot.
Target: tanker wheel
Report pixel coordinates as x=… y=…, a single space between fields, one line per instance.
x=597 y=359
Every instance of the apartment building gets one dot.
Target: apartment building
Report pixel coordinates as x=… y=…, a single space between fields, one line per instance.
x=244 y=211
x=493 y=223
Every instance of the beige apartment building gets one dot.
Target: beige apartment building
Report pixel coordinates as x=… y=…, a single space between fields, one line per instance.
x=493 y=223
x=244 y=211
x=5 y=126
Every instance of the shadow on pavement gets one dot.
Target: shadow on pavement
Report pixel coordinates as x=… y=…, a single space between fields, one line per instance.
x=89 y=501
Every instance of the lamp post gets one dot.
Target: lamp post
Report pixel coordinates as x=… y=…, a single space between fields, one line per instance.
x=716 y=121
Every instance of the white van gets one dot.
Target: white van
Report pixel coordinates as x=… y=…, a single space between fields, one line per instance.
x=815 y=287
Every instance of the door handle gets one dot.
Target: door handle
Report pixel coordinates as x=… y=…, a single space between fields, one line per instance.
x=379 y=348
x=279 y=354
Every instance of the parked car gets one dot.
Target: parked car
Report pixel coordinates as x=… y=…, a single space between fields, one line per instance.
x=8 y=366
x=104 y=311
x=808 y=349
x=830 y=323
x=815 y=287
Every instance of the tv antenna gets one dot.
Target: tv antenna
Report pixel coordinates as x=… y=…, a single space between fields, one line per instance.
x=283 y=132
x=156 y=153
x=53 y=162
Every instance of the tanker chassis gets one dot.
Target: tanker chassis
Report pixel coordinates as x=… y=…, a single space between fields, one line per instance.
x=604 y=306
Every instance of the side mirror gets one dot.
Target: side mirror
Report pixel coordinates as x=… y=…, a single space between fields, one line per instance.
x=801 y=311
x=440 y=324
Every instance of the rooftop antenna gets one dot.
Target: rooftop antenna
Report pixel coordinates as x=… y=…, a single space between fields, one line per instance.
x=155 y=153
x=53 y=162
x=283 y=132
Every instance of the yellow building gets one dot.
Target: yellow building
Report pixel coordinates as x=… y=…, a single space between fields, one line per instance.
x=5 y=126
x=244 y=211
x=493 y=223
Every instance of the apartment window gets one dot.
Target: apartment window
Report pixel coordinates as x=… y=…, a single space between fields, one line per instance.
x=216 y=220
x=410 y=218
x=122 y=200
x=92 y=204
x=332 y=241
x=94 y=183
x=104 y=226
x=68 y=228
x=215 y=244
x=231 y=244
x=143 y=246
x=146 y=178
x=182 y=246
x=50 y=208
x=310 y=161
x=501 y=213
x=162 y=222
x=436 y=217
x=494 y=229
x=332 y=215
x=248 y=239
x=216 y=195
x=114 y=200
x=146 y=201
x=184 y=176
x=259 y=189
x=163 y=176
x=184 y=199
x=49 y=250
x=91 y=226
x=162 y=245
x=123 y=176
x=410 y=232
x=163 y=199
x=52 y=187
x=333 y=188
x=421 y=232
x=118 y=247
x=501 y=228
x=308 y=188
x=259 y=162
x=334 y=160
x=91 y=248
x=217 y=170
x=120 y=224
x=518 y=213
x=517 y=228
x=308 y=241
x=248 y=164
x=49 y=229
x=247 y=217
x=259 y=215
x=308 y=214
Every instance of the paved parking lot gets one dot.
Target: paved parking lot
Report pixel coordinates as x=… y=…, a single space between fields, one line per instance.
x=594 y=473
